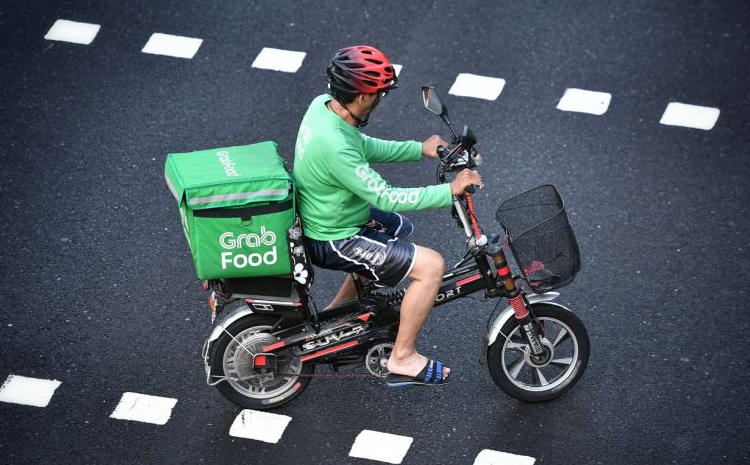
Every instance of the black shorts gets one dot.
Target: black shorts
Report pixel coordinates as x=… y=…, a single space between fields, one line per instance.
x=379 y=251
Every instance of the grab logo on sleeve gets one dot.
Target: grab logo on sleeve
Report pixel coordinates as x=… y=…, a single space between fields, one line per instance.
x=382 y=189
x=230 y=241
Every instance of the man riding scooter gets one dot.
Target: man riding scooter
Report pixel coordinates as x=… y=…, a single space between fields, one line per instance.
x=351 y=216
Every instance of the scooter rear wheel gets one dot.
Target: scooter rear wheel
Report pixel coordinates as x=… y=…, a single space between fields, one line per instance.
x=231 y=357
x=540 y=378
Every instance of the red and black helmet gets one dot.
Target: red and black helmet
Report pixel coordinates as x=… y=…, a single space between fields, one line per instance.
x=361 y=69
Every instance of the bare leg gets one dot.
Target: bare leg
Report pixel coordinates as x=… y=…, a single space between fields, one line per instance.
x=347 y=292
x=426 y=275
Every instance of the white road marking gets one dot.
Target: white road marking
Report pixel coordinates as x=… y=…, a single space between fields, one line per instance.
x=279 y=60
x=397 y=69
x=584 y=101
x=28 y=391
x=173 y=46
x=382 y=447
x=144 y=408
x=493 y=457
x=690 y=116
x=261 y=426
x=472 y=85
x=73 y=32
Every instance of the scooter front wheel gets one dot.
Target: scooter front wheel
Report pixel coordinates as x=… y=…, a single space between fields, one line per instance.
x=231 y=359
x=531 y=378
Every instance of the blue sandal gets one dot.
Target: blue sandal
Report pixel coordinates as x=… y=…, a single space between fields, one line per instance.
x=431 y=375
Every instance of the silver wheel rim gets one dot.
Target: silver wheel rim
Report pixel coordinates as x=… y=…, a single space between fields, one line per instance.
x=237 y=362
x=539 y=375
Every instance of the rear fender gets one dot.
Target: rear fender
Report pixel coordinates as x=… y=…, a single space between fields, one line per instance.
x=224 y=323
x=234 y=315
x=508 y=313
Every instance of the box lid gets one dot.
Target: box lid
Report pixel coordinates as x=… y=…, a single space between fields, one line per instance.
x=229 y=176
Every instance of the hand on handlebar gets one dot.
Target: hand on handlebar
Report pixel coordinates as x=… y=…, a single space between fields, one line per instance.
x=430 y=146
x=464 y=179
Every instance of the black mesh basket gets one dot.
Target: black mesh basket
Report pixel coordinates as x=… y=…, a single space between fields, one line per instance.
x=541 y=238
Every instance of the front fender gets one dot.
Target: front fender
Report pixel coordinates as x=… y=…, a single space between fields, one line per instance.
x=233 y=315
x=508 y=313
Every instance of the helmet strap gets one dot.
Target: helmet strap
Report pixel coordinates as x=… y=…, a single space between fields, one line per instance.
x=361 y=122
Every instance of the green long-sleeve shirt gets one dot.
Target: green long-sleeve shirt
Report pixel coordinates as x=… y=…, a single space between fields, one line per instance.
x=335 y=183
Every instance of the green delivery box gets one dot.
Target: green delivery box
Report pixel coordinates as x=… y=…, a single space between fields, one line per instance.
x=236 y=205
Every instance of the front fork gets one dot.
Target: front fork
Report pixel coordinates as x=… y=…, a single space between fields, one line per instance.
x=495 y=250
x=516 y=298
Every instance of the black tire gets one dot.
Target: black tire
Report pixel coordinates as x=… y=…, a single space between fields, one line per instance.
x=565 y=359
x=227 y=358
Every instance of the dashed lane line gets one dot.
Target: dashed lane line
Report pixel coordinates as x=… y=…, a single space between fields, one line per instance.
x=72 y=31
x=28 y=391
x=260 y=426
x=144 y=408
x=383 y=447
x=173 y=46
x=584 y=101
x=465 y=85
x=690 y=116
x=279 y=60
x=472 y=85
x=249 y=424
x=493 y=457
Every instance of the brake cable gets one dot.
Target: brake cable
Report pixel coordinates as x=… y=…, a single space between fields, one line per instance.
x=472 y=216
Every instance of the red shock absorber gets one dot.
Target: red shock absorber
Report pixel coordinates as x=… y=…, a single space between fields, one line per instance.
x=527 y=326
x=472 y=216
x=519 y=307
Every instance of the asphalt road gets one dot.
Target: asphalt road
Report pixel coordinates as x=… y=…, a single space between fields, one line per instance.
x=97 y=285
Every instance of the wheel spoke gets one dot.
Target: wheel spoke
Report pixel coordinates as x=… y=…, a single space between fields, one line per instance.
x=539 y=376
x=517 y=366
x=517 y=346
x=562 y=336
x=563 y=361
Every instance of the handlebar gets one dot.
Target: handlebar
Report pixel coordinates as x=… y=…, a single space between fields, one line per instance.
x=455 y=159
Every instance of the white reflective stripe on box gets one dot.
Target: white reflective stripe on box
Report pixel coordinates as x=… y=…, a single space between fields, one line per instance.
x=240 y=196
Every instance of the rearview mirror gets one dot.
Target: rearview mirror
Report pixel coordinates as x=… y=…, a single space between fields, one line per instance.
x=432 y=101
